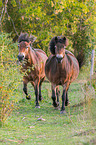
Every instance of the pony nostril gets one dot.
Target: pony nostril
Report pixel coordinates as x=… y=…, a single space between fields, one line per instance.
x=59 y=59
x=20 y=57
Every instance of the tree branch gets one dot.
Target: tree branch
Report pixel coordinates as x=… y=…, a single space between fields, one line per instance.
x=4 y=9
x=6 y=12
x=12 y=23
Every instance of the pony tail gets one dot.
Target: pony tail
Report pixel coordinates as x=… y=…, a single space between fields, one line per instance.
x=32 y=38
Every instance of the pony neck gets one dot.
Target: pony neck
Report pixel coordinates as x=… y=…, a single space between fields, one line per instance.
x=32 y=55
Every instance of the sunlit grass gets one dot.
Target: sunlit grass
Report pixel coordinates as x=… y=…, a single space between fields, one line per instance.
x=78 y=126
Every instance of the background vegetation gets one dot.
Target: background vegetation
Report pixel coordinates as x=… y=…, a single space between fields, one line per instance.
x=9 y=79
x=47 y=18
x=18 y=116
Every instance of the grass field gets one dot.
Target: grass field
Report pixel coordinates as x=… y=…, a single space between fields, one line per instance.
x=76 y=127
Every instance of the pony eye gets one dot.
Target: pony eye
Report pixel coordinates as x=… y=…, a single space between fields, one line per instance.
x=18 y=46
x=26 y=47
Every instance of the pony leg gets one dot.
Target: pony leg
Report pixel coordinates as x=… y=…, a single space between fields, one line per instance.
x=55 y=104
x=37 y=96
x=25 y=91
x=57 y=94
x=40 y=96
x=63 y=101
x=67 y=100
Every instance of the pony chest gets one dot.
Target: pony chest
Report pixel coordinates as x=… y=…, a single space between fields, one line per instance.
x=59 y=70
x=58 y=74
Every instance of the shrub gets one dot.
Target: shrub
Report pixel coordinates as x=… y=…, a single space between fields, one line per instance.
x=9 y=76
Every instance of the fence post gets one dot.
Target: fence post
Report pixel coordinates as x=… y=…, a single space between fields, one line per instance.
x=92 y=63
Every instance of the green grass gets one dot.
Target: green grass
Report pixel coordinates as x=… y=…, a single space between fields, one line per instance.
x=77 y=127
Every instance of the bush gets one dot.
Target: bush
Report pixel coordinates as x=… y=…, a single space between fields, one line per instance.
x=9 y=78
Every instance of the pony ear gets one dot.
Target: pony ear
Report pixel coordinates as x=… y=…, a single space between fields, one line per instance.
x=32 y=38
x=65 y=40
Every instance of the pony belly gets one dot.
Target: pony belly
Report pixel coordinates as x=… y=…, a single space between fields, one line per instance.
x=60 y=82
x=55 y=79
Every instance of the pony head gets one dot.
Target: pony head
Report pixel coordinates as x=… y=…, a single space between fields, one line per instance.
x=57 y=47
x=24 y=45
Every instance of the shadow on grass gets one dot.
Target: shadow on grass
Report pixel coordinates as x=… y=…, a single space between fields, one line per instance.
x=27 y=107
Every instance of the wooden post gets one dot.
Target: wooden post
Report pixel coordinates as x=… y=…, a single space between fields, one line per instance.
x=92 y=63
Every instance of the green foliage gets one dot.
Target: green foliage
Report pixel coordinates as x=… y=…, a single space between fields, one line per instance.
x=45 y=19
x=0 y=3
x=9 y=79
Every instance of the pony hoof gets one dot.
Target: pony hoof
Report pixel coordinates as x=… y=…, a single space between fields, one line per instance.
x=55 y=104
x=63 y=112
x=28 y=97
x=37 y=106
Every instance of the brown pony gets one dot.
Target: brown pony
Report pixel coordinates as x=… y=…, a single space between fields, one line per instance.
x=33 y=64
x=61 y=68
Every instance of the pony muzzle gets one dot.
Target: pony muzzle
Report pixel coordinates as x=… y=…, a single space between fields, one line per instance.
x=20 y=57
x=59 y=58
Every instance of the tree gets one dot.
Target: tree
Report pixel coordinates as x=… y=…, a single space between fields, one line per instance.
x=48 y=18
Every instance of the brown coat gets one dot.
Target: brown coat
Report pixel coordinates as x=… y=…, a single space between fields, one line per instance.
x=61 y=73
x=61 y=68
x=33 y=66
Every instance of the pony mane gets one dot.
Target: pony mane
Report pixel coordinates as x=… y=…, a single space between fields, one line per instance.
x=55 y=40
x=25 y=37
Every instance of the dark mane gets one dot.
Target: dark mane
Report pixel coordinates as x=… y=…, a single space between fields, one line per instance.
x=26 y=37
x=55 y=40
x=23 y=37
x=52 y=45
